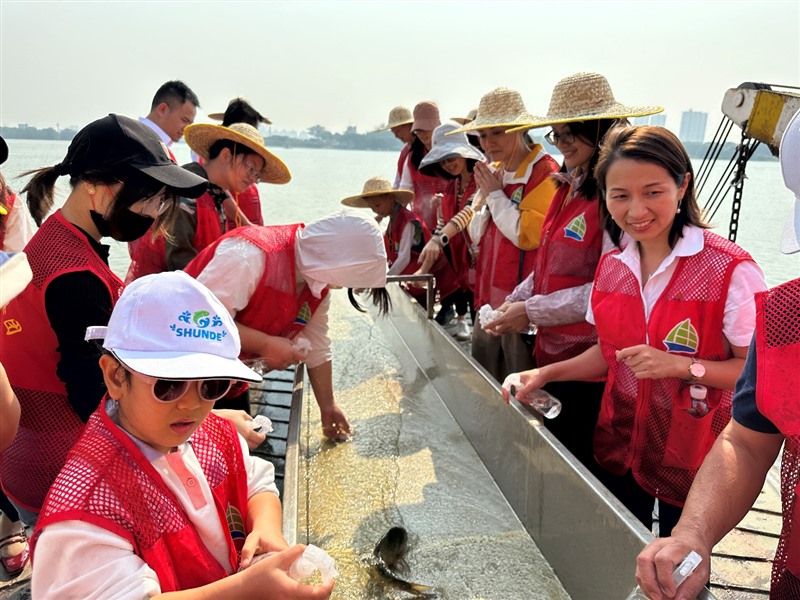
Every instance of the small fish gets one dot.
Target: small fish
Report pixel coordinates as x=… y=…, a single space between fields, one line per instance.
x=389 y=558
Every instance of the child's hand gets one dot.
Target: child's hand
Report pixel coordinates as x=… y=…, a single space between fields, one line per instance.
x=272 y=574
x=279 y=353
x=240 y=420
x=257 y=543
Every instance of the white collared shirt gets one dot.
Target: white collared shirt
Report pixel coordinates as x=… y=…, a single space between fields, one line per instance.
x=164 y=137
x=740 y=310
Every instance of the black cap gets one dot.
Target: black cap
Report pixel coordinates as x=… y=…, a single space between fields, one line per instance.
x=114 y=141
x=3 y=150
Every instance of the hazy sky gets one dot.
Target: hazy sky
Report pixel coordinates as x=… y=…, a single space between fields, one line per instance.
x=340 y=63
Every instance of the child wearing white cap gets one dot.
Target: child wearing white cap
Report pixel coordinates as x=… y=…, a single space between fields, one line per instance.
x=158 y=495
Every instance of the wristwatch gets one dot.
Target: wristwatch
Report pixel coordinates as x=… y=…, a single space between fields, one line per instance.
x=696 y=370
x=442 y=239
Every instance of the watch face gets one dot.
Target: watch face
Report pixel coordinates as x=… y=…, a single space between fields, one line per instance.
x=697 y=370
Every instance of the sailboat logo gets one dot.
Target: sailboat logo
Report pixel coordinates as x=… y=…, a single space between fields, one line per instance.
x=516 y=197
x=576 y=229
x=303 y=315
x=682 y=338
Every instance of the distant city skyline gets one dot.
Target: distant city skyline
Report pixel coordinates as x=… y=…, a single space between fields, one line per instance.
x=340 y=64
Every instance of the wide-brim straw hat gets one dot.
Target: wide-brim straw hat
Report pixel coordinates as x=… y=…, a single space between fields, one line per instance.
x=399 y=115
x=501 y=107
x=220 y=116
x=444 y=146
x=201 y=137
x=378 y=186
x=468 y=119
x=586 y=97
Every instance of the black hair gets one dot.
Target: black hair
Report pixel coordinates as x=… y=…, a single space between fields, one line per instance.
x=438 y=170
x=658 y=146
x=174 y=93
x=417 y=152
x=378 y=296
x=236 y=149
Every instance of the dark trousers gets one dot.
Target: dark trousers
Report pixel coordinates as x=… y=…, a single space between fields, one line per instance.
x=7 y=508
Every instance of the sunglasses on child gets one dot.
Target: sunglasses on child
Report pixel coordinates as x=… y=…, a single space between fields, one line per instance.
x=171 y=390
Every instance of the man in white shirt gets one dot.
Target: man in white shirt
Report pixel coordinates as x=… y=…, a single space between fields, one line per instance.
x=173 y=108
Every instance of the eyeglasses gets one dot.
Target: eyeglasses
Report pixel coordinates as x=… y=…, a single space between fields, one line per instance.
x=554 y=138
x=252 y=172
x=171 y=390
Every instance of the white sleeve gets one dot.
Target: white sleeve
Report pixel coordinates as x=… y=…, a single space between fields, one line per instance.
x=316 y=332
x=406 y=182
x=739 y=321
x=19 y=227
x=234 y=273
x=79 y=560
x=260 y=472
x=563 y=307
x=505 y=214
x=404 y=252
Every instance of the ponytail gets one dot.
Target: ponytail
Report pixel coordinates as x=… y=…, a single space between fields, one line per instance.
x=40 y=192
x=379 y=297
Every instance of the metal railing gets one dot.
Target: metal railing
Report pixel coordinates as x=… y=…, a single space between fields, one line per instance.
x=430 y=291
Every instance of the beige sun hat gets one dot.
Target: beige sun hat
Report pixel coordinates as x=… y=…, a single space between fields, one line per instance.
x=378 y=186
x=501 y=107
x=201 y=137
x=585 y=97
x=399 y=115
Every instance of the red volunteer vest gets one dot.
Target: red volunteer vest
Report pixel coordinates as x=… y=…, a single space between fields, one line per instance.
x=48 y=425
x=777 y=356
x=459 y=243
x=501 y=265
x=572 y=241
x=10 y=200
x=150 y=255
x=643 y=425
x=249 y=202
x=425 y=187
x=401 y=161
x=109 y=483
x=275 y=308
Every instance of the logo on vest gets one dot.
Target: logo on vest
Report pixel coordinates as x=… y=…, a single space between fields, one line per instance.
x=236 y=527
x=682 y=338
x=516 y=197
x=12 y=326
x=201 y=325
x=576 y=229
x=304 y=315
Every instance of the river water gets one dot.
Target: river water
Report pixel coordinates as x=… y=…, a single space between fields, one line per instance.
x=321 y=178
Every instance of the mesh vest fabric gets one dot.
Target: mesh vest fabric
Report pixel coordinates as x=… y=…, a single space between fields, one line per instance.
x=459 y=243
x=777 y=356
x=275 y=308
x=150 y=255
x=49 y=426
x=107 y=482
x=501 y=264
x=643 y=424
x=425 y=187
x=572 y=241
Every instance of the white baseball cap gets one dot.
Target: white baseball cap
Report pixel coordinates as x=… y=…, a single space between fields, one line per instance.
x=171 y=326
x=789 y=153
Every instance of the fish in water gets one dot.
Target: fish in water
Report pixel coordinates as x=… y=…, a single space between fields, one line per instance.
x=389 y=558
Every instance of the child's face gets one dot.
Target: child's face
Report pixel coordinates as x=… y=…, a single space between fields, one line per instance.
x=161 y=425
x=381 y=205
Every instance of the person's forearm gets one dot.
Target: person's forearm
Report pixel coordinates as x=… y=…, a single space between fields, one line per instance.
x=589 y=366
x=321 y=379
x=9 y=411
x=728 y=482
x=264 y=515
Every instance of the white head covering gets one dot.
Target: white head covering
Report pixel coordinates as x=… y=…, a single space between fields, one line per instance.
x=789 y=153
x=15 y=274
x=343 y=249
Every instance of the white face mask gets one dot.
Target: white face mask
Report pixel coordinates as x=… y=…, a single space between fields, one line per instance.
x=344 y=249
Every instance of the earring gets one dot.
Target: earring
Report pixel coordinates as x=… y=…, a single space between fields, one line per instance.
x=678 y=211
x=91 y=190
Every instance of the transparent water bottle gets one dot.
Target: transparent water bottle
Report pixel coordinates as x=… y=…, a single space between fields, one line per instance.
x=699 y=407
x=549 y=406
x=679 y=575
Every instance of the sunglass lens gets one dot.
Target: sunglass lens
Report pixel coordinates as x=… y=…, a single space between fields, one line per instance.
x=214 y=389
x=167 y=390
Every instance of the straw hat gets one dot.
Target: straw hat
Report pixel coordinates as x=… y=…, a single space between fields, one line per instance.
x=399 y=115
x=239 y=103
x=202 y=136
x=445 y=146
x=501 y=107
x=586 y=97
x=378 y=186
x=468 y=119
x=426 y=116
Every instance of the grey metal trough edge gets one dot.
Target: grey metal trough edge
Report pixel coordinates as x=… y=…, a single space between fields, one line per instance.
x=589 y=538
x=292 y=468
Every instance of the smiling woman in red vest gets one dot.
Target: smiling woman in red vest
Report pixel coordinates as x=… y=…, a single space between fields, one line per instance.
x=514 y=195
x=122 y=181
x=274 y=281
x=555 y=296
x=674 y=314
